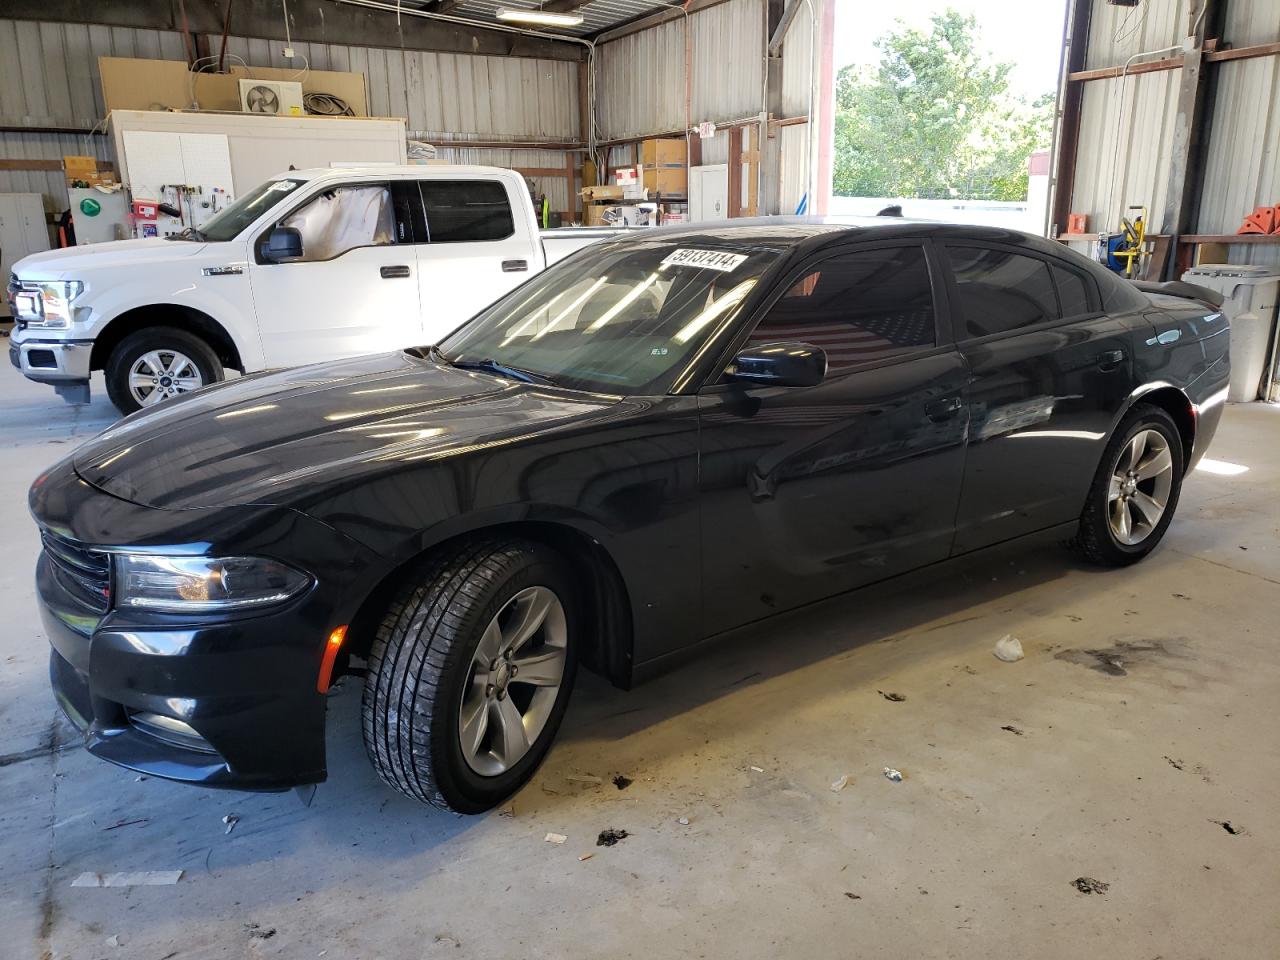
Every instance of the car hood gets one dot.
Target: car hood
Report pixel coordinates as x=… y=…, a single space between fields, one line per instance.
x=275 y=438
x=72 y=263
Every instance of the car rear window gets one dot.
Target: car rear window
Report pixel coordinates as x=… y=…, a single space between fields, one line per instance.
x=466 y=211
x=1001 y=291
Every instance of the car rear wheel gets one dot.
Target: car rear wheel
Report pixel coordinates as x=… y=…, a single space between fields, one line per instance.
x=470 y=674
x=1135 y=491
x=157 y=364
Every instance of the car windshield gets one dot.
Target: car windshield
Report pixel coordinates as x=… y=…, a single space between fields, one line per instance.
x=621 y=317
x=227 y=223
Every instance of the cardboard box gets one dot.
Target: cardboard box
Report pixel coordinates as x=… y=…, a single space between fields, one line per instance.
x=664 y=167
x=603 y=192
x=603 y=215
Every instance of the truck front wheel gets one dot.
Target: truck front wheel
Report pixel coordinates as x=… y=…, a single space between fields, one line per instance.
x=156 y=364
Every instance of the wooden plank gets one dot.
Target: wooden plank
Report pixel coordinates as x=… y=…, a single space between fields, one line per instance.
x=51 y=165
x=1244 y=53
x=544 y=171
x=752 y=159
x=1230 y=238
x=735 y=172
x=1106 y=73
x=1159 y=257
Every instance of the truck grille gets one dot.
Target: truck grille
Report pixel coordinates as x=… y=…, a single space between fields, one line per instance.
x=83 y=573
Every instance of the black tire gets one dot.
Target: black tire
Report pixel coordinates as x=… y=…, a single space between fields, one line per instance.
x=136 y=344
x=420 y=667
x=1095 y=541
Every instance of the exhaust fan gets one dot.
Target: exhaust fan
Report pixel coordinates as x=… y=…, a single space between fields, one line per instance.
x=281 y=98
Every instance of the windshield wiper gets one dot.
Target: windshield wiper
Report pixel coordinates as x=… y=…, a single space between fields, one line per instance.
x=501 y=369
x=190 y=233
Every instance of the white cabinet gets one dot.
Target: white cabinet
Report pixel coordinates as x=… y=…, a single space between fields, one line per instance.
x=709 y=193
x=22 y=231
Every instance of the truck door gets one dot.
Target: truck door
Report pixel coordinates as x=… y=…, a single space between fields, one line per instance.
x=476 y=250
x=353 y=291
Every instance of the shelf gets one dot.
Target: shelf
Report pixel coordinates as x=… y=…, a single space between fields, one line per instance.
x=1230 y=238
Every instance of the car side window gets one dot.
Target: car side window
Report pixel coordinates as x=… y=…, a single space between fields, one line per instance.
x=1001 y=291
x=466 y=211
x=1073 y=291
x=342 y=219
x=859 y=307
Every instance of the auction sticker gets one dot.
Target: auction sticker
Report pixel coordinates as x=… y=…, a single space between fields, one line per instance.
x=705 y=259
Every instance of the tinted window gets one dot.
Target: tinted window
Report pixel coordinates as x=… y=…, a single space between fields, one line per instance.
x=465 y=211
x=1072 y=292
x=858 y=307
x=1001 y=291
x=343 y=219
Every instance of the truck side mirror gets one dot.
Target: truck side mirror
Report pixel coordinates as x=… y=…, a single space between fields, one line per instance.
x=284 y=243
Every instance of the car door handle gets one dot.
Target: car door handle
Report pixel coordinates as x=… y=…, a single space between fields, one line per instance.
x=1110 y=359
x=515 y=266
x=398 y=271
x=943 y=409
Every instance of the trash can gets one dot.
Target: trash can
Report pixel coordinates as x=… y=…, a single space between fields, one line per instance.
x=1249 y=302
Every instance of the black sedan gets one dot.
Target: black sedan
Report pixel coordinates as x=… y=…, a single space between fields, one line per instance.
x=662 y=439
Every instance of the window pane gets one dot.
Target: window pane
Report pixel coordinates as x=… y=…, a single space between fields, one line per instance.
x=1072 y=291
x=1001 y=291
x=461 y=211
x=858 y=307
x=343 y=219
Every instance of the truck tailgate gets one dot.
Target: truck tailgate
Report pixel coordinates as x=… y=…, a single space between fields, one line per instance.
x=558 y=244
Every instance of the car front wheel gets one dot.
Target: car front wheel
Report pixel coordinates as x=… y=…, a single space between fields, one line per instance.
x=470 y=674
x=1135 y=491
x=157 y=364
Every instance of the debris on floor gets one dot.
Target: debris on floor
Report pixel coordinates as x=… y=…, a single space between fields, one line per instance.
x=758 y=769
x=892 y=774
x=113 y=940
x=126 y=823
x=610 y=837
x=1009 y=649
x=137 y=878
x=259 y=933
x=1016 y=731
x=507 y=811
x=1090 y=885
x=622 y=782
x=445 y=938
x=585 y=856
x=1229 y=827
x=851 y=895
x=1176 y=764
x=554 y=838
x=587 y=778
x=840 y=784
x=231 y=819
x=891 y=696
x=683 y=821
x=1119 y=659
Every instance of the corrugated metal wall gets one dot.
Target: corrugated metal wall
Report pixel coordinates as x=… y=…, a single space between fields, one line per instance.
x=641 y=76
x=797 y=71
x=1125 y=141
x=511 y=97
x=49 y=78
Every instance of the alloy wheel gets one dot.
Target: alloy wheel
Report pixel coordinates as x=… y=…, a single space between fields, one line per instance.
x=161 y=374
x=513 y=681
x=1141 y=482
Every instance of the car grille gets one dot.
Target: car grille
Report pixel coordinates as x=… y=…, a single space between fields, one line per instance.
x=84 y=574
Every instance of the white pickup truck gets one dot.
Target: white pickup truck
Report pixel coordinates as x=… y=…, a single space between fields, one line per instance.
x=312 y=265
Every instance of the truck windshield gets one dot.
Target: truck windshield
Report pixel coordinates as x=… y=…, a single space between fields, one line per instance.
x=621 y=317
x=227 y=223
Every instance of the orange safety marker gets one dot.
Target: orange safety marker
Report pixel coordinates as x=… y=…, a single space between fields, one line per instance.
x=1262 y=220
x=330 y=655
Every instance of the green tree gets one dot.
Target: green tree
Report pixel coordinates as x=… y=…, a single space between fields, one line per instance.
x=935 y=119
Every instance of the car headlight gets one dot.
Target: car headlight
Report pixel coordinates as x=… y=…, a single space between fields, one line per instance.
x=204 y=584
x=47 y=303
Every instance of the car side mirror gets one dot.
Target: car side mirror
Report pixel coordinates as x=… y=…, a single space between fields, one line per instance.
x=283 y=243
x=780 y=365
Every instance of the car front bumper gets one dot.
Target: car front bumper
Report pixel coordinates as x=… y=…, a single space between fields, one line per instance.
x=221 y=702
x=46 y=360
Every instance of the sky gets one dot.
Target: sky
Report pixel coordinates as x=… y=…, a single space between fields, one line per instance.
x=1026 y=33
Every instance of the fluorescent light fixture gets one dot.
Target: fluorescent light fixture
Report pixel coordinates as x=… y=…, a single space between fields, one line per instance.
x=544 y=18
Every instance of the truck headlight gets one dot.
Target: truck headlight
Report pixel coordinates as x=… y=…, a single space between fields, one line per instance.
x=47 y=303
x=204 y=584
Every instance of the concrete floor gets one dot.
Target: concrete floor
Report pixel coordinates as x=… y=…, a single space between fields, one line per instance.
x=1122 y=775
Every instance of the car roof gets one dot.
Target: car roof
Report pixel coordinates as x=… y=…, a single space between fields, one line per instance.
x=422 y=170
x=815 y=231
